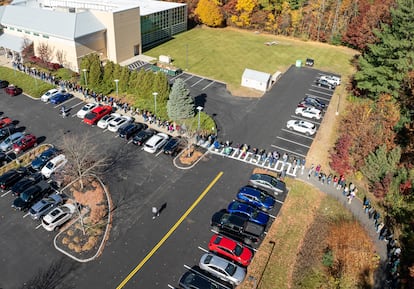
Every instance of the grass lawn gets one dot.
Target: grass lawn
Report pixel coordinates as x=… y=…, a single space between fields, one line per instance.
x=223 y=54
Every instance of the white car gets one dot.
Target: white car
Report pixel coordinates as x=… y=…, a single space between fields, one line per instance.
x=309 y=112
x=48 y=94
x=54 y=165
x=302 y=126
x=222 y=268
x=85 y=109
x=156 y=142
x=103 y=122
x=118 y=122
x=58 y=216
x=333 y=80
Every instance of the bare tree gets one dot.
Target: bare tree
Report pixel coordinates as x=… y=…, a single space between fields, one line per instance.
x=61 y=57
x=27 y=49
x=84 y=157
x=45 y=52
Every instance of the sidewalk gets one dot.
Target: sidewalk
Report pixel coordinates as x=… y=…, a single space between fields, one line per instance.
x=356 y=208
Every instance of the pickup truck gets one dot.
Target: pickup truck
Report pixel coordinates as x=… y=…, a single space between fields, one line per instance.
x=237 y=227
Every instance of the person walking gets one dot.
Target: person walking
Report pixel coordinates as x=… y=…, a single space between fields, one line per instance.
x=155 y=212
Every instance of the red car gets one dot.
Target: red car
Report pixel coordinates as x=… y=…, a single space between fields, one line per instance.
x=96 y=114
x=230 y=249
x=5 y=121
x=26 y=142
x=13 y=90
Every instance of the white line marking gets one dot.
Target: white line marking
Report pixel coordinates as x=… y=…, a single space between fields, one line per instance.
x=158 y=153
x=298 y=134
x=280 y=202
x=319 y=97
x=189 y=78
x=187 y=267
x=77 y=104
x=201 y=79
x=25 y=215
x=38 y=226
x=6 y=193
x=130 y=141
x=208 y=85
x=312 y=120
x=170 y=286
x=321 y=92
x=271 y=216
x=289 y=151
x=202 y=249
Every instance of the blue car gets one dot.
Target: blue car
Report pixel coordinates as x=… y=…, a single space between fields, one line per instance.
x=254 y=214
x=256 y=197
x=43 y=158
x=60 y=97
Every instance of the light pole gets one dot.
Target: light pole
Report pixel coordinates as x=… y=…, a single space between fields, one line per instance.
x=337 y=107
x=116 y=85
x=155 y=102
x=186 y=57
x=199 y=108
x=84 y=74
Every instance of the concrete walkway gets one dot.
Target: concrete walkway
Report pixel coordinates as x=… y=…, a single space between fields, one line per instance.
x=356 y=208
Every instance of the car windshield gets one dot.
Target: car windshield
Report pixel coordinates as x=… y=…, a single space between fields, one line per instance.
x=49 y=165
x=230 y=269
x=238 y=250
x=90 y=115
x=25 y=197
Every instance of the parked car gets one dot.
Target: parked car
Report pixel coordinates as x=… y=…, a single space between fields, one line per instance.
x=58 y=216
x=26 y=142
x=13 y=90
x=6 y=158
x=222 y=268
x=268 y=183
x=85 y=109
x=309 y=112
x=256 y=197
x=11 y=177
x=310 y=101
x=48 y=94
x=254 y=214
x=45 y=205
x=4 y=83
x=6 y=131
x=5 y=121
x=231 y=249
x=141 y=137
x=198 y=280
x=324 y=83
x=8 y=142
x=43 y=158
x=31 y=195
x=172 y=146
x=334 y=80
x=103 y=123
x=302 y=126
x=54 y=165
x=60 y=97
x=237 y=227
x=131 y=129
x=115 y=124
x=25 y=183
x=156 y=142
x=96 y=114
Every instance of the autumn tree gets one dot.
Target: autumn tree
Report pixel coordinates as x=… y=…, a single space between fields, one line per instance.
x=209 y=13
x=180 y=104
x=45 y=52
x=244 y=9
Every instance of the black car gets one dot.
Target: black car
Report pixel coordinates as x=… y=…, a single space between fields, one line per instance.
x=31 y=195
x=11 y=177
x=172 y=146
x=4 y=83
x=141 y=137
x=131 y=129
x=193 y=279
x=310 y=101
x=25 y=183
x=6 y=131
x=43 y=158
x=324 y=83
x=6 y=158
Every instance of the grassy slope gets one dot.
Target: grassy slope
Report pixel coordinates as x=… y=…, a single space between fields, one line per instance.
x=223 y=54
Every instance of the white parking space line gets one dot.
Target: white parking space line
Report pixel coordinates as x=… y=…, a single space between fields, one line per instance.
x=6 y=193
x=175 y=77
x=60 y=104
x=25 y=215
x=191 y=76
x=158 y=153
x=271 y=216
x=77 y=104
x=207 y=85
x=187 y=267
x=305 y=119
x=170 y=286
x=215 y=232
x=319 y=97
x=298 y=134
x=280 y=202
x=130 y=141
x=289 y=151
x=202 y=249
x=38 y=226
x=201 y=79
x=322 y=92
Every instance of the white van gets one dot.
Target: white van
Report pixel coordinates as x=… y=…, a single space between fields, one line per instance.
x=54 y=165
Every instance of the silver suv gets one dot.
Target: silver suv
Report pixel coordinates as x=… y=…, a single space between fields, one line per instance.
x=44 y=206
x=222 y=268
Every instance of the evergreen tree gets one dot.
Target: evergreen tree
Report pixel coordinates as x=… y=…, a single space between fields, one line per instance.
x=385 y=64
x=133 y=82
x=180 y=104
x=95 y=72
x=124 y=79
x=161 y=86
x=381 y=163
x=107 y=78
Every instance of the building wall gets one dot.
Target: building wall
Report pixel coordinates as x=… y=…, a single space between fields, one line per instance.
x=252 y=83
x=123 y=35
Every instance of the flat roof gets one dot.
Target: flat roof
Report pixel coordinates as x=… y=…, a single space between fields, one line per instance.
x=256 y=75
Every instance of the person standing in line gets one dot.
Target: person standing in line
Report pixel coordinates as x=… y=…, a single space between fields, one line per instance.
x=311 y=171
x=317 y=170
x=155 y=212
x=303 y=166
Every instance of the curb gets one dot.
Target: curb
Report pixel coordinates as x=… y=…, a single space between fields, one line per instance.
x=190 y=166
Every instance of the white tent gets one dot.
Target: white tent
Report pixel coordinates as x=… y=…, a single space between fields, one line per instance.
x=256 y=79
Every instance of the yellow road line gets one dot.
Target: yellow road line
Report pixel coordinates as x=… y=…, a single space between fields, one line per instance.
x=166 y=236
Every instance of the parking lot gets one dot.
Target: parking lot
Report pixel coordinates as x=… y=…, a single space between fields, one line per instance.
x=139 y=180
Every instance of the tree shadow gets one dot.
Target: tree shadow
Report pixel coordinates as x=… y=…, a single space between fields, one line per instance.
x=200 y=100
x=41 y=139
